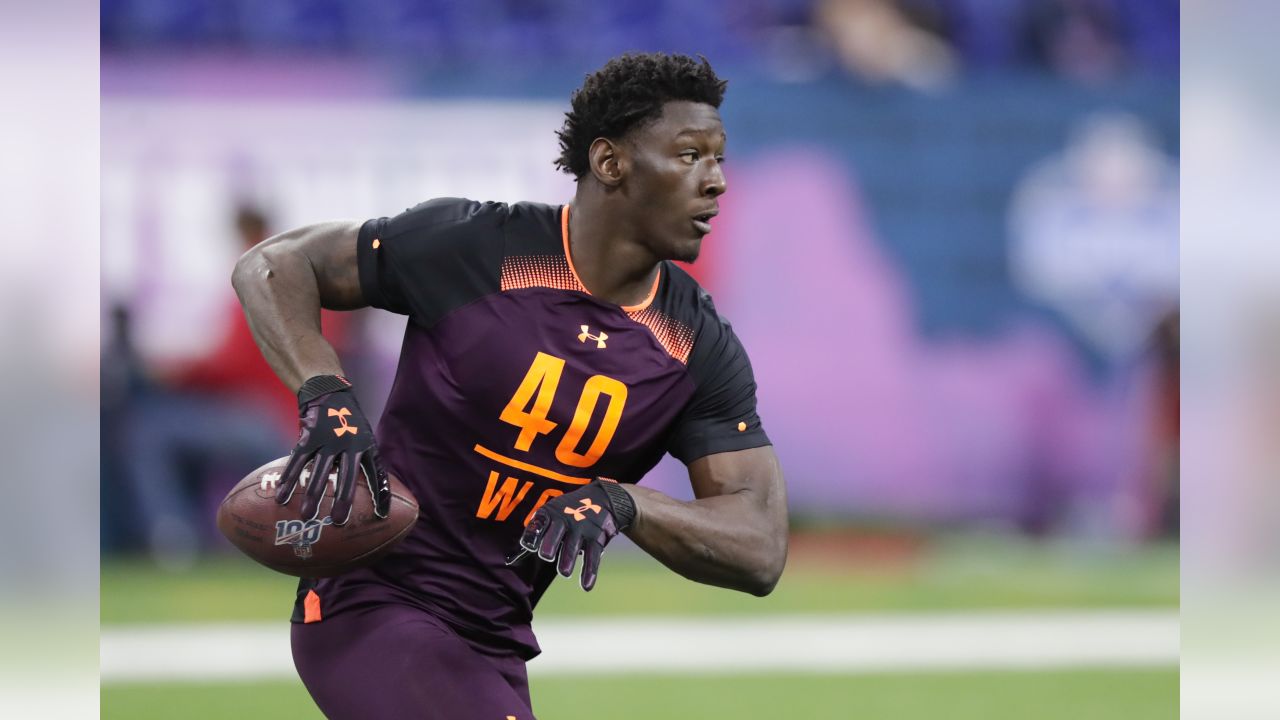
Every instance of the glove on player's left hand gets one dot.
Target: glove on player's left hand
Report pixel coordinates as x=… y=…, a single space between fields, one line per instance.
x=584 y=520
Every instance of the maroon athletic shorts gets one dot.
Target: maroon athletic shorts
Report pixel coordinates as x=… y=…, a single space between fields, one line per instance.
x=393 y=662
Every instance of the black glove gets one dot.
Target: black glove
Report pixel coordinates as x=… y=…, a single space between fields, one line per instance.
x=334 y=431
x=584 y=520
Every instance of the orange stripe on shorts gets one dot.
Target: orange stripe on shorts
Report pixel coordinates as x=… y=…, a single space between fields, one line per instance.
x=311 y=607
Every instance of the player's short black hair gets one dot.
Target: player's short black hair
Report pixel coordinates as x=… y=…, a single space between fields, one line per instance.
x=627 y=92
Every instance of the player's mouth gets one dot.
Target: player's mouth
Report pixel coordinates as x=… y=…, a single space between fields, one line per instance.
x=702 y=221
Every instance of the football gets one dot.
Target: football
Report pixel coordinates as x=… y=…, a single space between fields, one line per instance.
x=276 y=535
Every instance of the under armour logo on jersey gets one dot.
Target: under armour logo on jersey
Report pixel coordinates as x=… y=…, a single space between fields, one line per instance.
x=342 y=418
x=586 y=333
x=577 y=512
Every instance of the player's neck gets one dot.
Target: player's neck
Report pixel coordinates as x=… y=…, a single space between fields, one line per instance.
x=613 y=265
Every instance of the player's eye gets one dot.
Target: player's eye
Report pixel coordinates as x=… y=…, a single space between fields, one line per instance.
x=690 y=156
x=720 y=159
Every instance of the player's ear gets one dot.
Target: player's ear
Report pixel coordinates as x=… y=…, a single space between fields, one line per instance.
x=607 y=162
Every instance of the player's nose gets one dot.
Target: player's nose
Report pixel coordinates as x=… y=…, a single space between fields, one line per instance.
x=713 y=182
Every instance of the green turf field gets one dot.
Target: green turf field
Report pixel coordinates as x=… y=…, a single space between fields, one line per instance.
x=943 y=574
x=1096 y=695
x=824 y=574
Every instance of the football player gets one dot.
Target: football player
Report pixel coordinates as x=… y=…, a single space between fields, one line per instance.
x=554 y=353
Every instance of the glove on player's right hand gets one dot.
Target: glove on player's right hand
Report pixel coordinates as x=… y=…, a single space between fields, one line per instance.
x=333 y=431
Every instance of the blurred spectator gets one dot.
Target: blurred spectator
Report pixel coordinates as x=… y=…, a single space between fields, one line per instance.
x=234 y=367
x=880 y=43
x=124 y=379
x=1165 y=429
x=1094 y=233
x=201 y=425
x=1079 y=39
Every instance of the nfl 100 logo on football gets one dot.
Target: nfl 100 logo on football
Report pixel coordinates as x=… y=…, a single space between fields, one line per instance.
x=300 y=534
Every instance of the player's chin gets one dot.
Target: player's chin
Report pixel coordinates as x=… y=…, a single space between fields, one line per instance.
x=687 y=252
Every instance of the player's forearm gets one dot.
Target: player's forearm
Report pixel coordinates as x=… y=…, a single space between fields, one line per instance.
x=278 y=289
x=736 y=541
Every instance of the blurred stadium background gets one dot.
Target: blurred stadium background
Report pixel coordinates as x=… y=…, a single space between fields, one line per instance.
x=950 y=245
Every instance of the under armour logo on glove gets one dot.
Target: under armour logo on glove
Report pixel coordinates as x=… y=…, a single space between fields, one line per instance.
x=349 y=450
x=342 y=414
x=607 y=509
x=577 y=512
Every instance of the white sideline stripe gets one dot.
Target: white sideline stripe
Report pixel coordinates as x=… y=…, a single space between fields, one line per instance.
x=797 y=643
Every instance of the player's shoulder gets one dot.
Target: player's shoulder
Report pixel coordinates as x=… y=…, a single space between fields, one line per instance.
x=440 y=213
x=713 y=349
x=685 y=300
x=535 y=212
x=688 y=304
x=527 y=223
x=534 y=229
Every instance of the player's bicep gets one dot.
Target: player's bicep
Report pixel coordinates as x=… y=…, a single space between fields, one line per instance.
x=754 y=473
x=331 y=250
x=753 y=477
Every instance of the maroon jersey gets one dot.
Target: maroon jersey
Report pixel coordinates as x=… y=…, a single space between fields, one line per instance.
x=515 y=385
